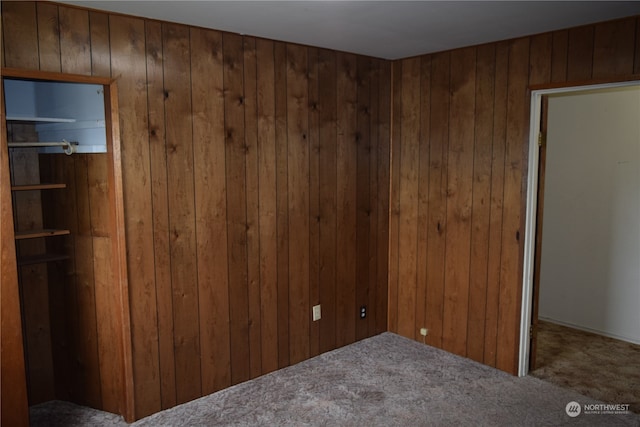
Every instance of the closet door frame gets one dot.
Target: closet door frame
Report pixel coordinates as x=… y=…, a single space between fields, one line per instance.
x=12 y=359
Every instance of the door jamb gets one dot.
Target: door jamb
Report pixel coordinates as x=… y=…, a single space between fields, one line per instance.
x=532 y=206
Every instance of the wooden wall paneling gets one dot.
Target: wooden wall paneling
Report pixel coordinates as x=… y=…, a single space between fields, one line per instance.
x=422 y=234
x=384 y=161
x=105 y=267
x=480 y=215
x=211 y=209
x=327 y=102
x=62 y=289
x=180 y=171
x=282 y=212
x=636 y=65
x=437 y=218
x=236 y=206
x=494 y=256
x=372 y=251
x=19 y=35
x=559 y=55
x=48 y=37
x=363 y=194
x=34 y=281
x=298 y=200
x=253 y=214
x=60 y=208
x=89 y=390
x=267 y=205
x=19 y=24
x=459 y=200
x=408 y=176
x=128 y=60
x=14 y=406
x=540 y=59
x=162 y=306
x=580 y=53
x=614 y=48
x=75 y=51
x=314 y=199
x=512 y=236
x=75 y=41
x=100 y=49
x=346 y=200
x=394 y=196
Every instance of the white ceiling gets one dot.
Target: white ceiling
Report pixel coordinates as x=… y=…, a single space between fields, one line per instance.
x=383 y=29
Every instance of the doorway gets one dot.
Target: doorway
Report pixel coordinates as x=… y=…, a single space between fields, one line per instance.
x=528 y=298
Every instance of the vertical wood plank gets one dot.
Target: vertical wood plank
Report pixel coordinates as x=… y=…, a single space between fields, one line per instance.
x=373 y=262
x=480 y=216
x=236 y=206
x=180 y=170
x=559 y=55
x=14 y=406
x=100 y=49
x=267 y=204
x=580 y=53
x=540 y=59
x=346 y=200
x=516 y=137
x=48 y=37
x=253 y=215
x=408 y=175
x=384 y=175
x=363 y=193
x=423 y=195
x=75 y=43
x=163 y=311
x=280 y=59
x=211 y=210
x=128 y=59
x=19 y=35
x=314 y=200
x=459 y=198
x=494 y=257
x=394 y=202
x=614 y=48
x=327 y=74
x=636 y=66
x=439 y=140
x=298 y=201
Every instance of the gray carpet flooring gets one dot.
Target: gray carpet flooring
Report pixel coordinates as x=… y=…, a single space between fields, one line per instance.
x=386 y=380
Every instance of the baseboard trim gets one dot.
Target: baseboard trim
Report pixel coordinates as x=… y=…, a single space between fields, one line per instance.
x=593 y=331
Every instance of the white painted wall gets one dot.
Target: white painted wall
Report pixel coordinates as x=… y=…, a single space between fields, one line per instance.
x=590 y=269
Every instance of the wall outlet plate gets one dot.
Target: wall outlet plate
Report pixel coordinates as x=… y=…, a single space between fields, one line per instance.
x=316 y=312
x=424 y=332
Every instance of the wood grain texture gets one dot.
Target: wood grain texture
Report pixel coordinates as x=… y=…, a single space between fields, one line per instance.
x=477 y=139
x=14 y=406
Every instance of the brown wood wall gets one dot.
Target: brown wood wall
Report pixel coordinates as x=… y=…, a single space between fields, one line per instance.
x=459 y=160
x=256 y=181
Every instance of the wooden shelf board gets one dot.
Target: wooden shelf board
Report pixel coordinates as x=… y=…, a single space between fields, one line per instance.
x=39 y=119
x=41 y=258
x=37 y=187
x=33 y=234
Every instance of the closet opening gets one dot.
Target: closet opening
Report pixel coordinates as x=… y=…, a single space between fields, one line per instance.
x=63 y=143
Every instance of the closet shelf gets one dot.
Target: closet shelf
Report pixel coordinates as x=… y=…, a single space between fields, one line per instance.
x=34 y=234
x=39 y=119
x=37 y=187
x=41 y=258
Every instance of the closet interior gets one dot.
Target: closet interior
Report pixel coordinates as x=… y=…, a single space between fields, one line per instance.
x=66 y=191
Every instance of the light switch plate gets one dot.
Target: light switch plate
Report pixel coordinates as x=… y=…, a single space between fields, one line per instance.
x=317 y=313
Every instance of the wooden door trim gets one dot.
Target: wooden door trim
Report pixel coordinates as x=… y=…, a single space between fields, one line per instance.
x=530 y=207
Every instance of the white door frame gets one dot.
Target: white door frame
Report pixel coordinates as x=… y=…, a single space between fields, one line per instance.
x=531 y=209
